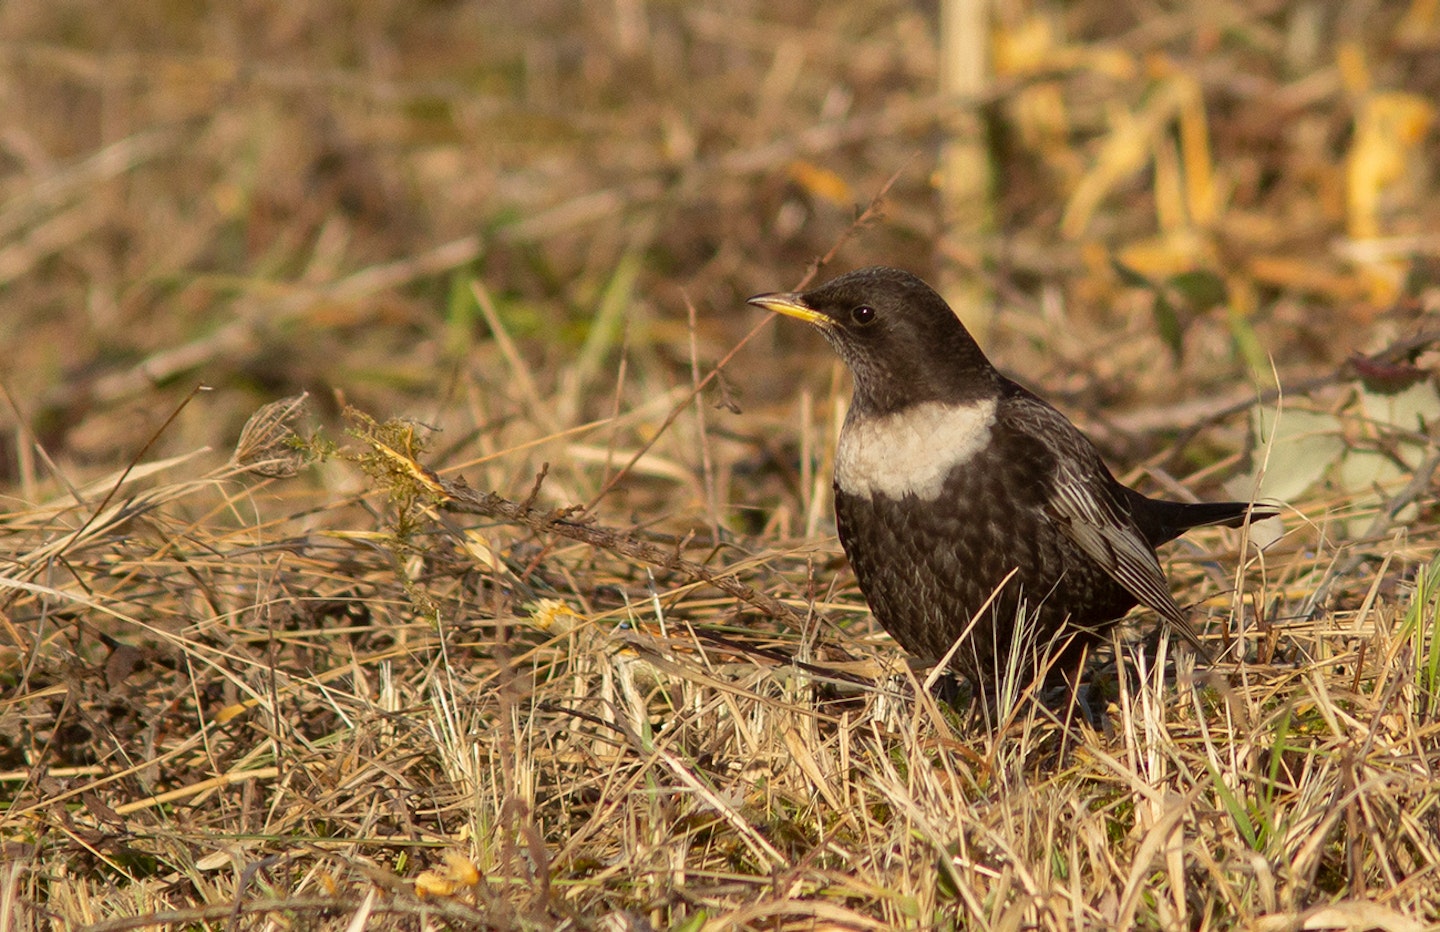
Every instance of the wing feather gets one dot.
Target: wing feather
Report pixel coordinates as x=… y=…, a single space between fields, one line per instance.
x=1085 y=506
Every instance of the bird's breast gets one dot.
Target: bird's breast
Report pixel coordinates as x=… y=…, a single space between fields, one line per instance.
x=911 y=452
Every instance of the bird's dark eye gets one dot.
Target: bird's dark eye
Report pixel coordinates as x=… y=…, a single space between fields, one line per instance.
x=862 y=315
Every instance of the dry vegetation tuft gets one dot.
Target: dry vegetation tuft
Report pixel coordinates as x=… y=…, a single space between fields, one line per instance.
x=490 y=580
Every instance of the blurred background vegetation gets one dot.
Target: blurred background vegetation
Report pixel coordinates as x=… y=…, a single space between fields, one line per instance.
x=265 y=197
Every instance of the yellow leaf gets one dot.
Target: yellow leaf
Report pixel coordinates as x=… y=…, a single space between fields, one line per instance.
x=1354 y=72
x=821 y=182
x=230 y=712
x=1025 y=48
x=1175 y=251
x=1043 y=124
x=430 y=883
x=1387 y=129
x=1303 y=273
x=1195 y=153
x=1030 y=47
x=1170 y=210
x=461 y=869
x=480 y=550
x=1421 y=23
x=1125 y=152
x=553 y=613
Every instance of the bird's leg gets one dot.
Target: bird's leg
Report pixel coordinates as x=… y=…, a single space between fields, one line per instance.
x=1072 y=667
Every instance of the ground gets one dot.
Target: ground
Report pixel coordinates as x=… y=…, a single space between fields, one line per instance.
x=406 y=522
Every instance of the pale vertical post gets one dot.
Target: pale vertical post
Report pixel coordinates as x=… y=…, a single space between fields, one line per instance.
x=965 y=178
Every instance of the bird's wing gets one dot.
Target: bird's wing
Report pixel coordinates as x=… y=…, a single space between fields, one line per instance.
x=1110 y=537
x=1084 y=508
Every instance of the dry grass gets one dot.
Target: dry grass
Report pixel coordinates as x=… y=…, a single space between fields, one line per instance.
x=618 y=677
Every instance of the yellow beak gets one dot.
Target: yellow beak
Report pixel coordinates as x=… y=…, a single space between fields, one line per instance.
x=791 y=305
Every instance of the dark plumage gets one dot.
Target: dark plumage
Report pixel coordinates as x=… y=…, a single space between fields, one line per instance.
x=954 y=486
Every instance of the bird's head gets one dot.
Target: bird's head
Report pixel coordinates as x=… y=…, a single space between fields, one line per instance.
x=900 y=339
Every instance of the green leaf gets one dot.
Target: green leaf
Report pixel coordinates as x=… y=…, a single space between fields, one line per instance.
x=1294 y=450
x=1232 y=805
x=1247 y=343
x=1131 y=277
x=693 y=922
x=1201 y=289
x=461 y=312
x=1411 y=409
x=1167 y=322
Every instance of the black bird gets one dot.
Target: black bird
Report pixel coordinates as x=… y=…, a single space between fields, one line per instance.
x=962 y=499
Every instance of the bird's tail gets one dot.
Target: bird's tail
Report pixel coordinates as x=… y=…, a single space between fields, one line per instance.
x=1164 y=521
